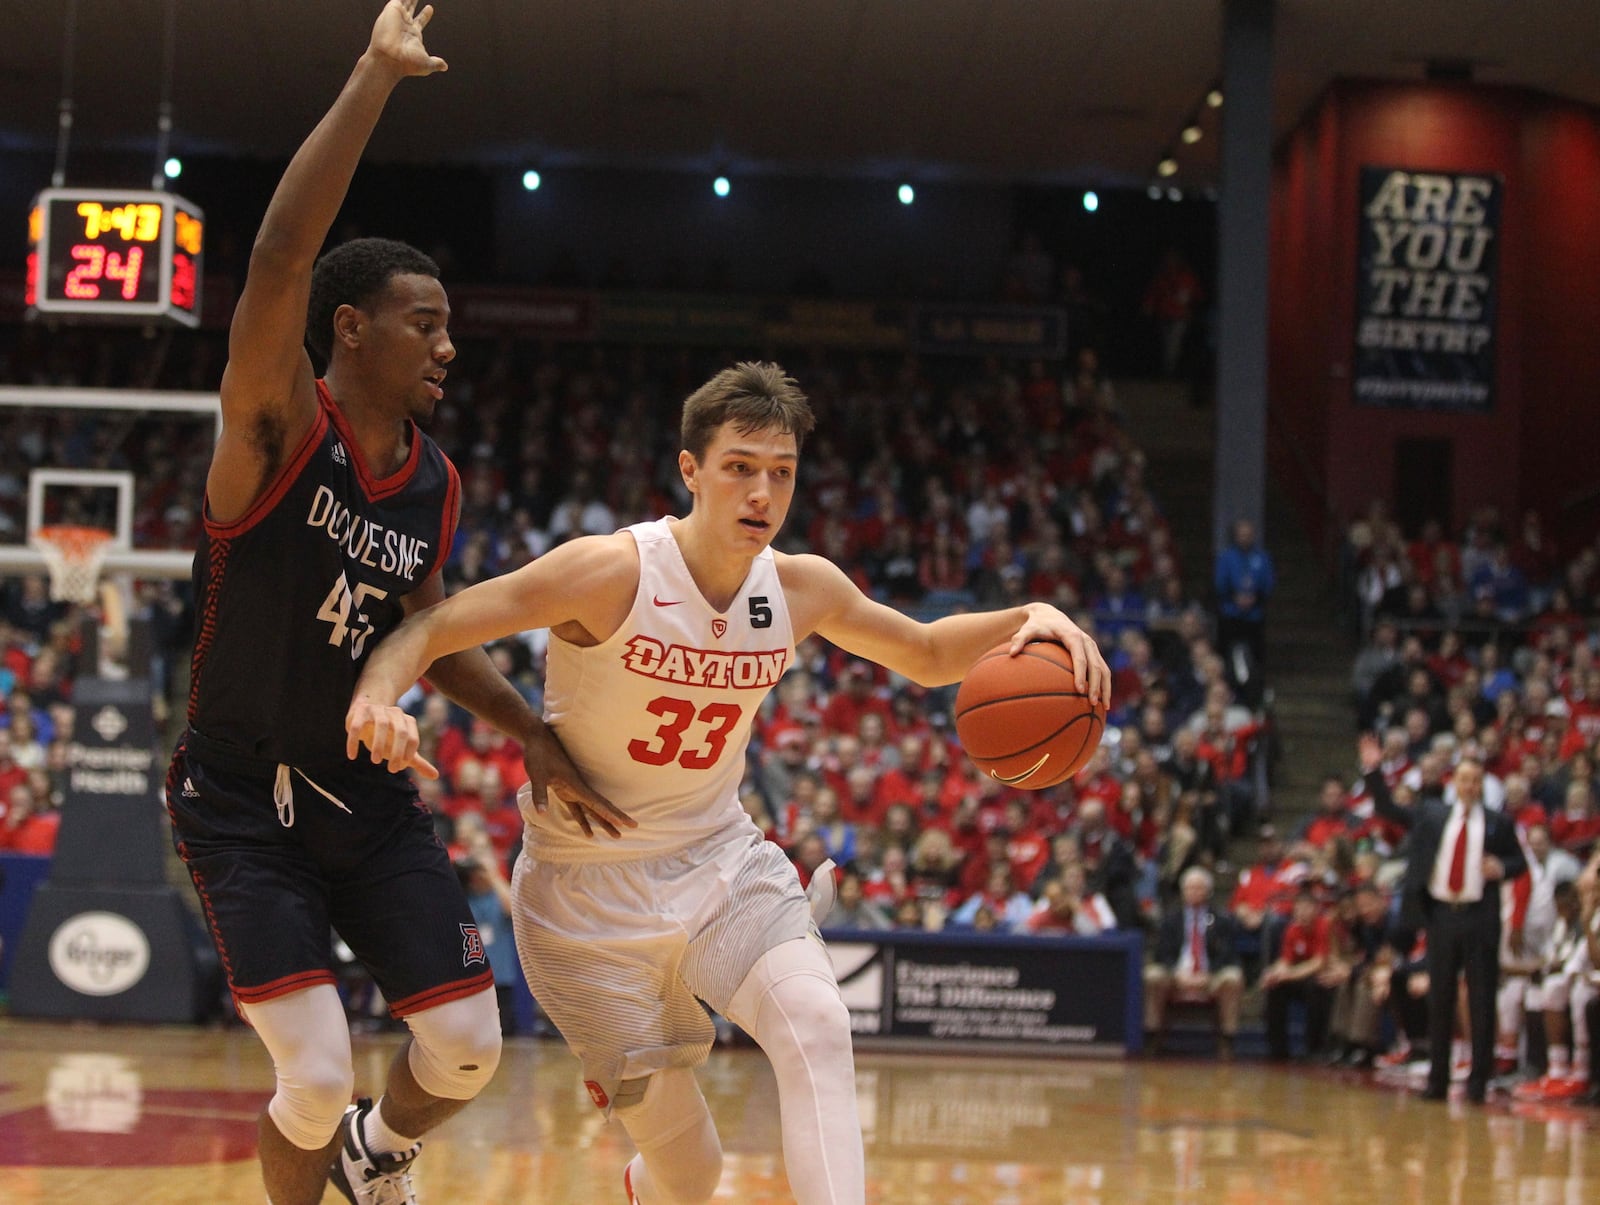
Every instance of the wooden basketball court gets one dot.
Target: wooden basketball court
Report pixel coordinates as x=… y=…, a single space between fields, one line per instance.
x=167 y=1114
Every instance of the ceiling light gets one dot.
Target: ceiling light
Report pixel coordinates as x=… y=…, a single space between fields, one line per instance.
x=721 y=187
x=172 y=168
x=531 y=180
x=1091 y=200
x=1168 y=166
x=1174 y=194
x=906 y=193
x=1214 y=98
x=1153 y=192
x=1191 y=134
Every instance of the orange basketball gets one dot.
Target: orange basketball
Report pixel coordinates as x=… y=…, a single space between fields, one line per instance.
x=1023 y=720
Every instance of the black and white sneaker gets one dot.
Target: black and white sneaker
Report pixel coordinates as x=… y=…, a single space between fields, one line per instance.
x=368 y=1177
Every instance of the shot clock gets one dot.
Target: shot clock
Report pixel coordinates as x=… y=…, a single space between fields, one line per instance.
x=107 y=255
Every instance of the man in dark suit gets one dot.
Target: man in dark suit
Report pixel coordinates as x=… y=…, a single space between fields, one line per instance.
x=1459 y=854
x=1195 y=961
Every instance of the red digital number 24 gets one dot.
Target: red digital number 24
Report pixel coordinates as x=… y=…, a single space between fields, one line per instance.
x=679 y=714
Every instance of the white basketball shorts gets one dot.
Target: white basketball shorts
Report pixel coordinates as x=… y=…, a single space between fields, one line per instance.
x=620 y=954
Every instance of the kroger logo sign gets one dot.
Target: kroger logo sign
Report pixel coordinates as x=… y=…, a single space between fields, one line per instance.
x=99 y=953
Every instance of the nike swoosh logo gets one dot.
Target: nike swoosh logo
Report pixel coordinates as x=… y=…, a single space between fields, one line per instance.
x=1026 y=774
x=659 y=603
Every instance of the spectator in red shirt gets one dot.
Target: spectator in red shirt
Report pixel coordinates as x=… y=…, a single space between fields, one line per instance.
x=11 y=774
x=860 y=803
x=27 y=828
x=1097 y=782
x=1292 y=976
x=837 y=764
x=1332 y=817
x=1066 y=906
x=466 y=789
x=852 y=700
x=966 y=832
x=1575 y=828
x=901 y=782
x=1027 y=850
x=1263 y=893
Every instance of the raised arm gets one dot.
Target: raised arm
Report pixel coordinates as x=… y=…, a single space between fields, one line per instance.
x=1371 y=754
x=823 y=600
x=268 y=389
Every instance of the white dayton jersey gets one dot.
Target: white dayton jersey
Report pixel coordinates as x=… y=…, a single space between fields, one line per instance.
x=657 y=717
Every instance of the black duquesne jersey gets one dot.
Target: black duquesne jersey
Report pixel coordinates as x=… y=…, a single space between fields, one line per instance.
x=292 y=596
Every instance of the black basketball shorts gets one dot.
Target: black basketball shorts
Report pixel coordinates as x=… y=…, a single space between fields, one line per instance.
x=359 y=856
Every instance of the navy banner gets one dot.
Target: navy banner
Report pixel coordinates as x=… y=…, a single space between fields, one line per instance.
x=1064 y=994
x=1426 y=289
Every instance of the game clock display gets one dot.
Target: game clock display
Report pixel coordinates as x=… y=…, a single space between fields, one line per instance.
x=108 y=255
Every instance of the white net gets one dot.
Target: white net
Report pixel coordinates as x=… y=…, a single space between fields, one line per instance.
x=73 y=556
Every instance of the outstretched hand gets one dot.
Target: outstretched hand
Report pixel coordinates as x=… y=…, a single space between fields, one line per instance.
x=1089 y=669
x=397 y=39
x=1370 y=752
x=389 y=732
x=550 y=769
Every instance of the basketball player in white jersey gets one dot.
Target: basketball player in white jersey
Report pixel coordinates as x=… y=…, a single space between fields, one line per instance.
x=665 y=638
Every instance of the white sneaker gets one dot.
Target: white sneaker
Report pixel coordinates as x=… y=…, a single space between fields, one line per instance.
x=368 y=1177
x=822 y=891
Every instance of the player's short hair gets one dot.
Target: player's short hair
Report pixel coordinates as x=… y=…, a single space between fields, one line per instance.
x=354 y=273
x=754 y=396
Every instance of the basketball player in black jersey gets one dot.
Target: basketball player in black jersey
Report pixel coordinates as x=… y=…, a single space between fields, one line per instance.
x=328 y=516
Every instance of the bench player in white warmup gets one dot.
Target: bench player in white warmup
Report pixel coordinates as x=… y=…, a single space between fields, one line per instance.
x=665 y=638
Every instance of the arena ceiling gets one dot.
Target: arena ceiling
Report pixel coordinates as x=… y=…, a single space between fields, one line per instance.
x=1068 y=91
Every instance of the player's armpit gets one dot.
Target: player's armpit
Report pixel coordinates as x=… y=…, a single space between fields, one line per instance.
x=822 y=599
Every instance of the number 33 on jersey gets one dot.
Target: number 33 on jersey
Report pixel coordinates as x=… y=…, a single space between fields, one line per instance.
x=659 y=715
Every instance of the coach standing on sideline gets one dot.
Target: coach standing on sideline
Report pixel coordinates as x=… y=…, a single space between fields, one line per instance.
x=1460 y=853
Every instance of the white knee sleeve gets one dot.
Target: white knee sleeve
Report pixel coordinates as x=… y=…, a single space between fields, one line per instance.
x=790 y=1004
x=667 y=1118
x=1553 y=994
x=1582 y=992
x=456 y=1046
x=1509 y=1003
x=309 y=1040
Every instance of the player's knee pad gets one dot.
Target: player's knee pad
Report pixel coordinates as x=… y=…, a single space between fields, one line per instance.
x=1509 y=1004
x=805 y=1018
x=309 y=1040
x=790 y=1004
x=667 y=1118
x=456 y=1046
x=1554 y=994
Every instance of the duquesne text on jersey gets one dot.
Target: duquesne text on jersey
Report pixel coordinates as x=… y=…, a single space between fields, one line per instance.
x=704 y=667
x=374 y=545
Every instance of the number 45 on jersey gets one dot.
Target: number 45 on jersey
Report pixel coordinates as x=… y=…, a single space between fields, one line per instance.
x=343 y=610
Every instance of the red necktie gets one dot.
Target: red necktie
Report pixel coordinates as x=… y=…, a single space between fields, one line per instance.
x=1197 y=945
x=1458 y=861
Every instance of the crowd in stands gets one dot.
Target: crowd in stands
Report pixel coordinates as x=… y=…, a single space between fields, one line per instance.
x=938 y=485
x=1480 y=647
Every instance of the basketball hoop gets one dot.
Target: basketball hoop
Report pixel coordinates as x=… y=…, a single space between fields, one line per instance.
x=73 y=555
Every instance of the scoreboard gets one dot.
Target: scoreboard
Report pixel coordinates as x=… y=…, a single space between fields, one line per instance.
x=107 y=254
